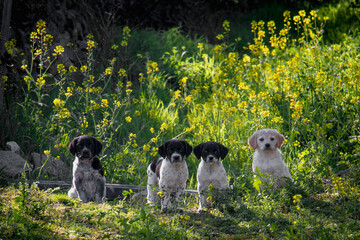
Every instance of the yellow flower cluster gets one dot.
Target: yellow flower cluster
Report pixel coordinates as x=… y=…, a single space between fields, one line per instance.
x=296 y=200
x=58 y=51
x=126 y=36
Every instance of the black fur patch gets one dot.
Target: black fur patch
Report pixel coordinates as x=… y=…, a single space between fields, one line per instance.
x=97 y=165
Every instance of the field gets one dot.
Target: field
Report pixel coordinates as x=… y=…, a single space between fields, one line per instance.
x=171 y=85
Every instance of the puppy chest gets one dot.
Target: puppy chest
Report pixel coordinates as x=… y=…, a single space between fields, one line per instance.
x=215 y=176
x=87 y=173
x=174 y=177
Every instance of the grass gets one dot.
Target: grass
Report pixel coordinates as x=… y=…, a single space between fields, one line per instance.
x=291 y=213
x=287 y=78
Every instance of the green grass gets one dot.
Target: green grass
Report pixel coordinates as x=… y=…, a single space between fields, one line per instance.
x=332 y=213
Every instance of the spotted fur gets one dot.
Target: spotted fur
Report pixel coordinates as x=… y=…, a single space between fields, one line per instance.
x=211 y=170
x=88 y=175
x=169 y=173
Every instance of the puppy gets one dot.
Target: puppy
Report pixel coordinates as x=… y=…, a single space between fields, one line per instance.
x=267 y=156
x=211 y=170
x=170 y=173
x=88 y=176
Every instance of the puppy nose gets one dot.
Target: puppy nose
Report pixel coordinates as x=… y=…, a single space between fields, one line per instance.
x=211 y=158
x=176 y=158
x=85 y=153
x=267 y=145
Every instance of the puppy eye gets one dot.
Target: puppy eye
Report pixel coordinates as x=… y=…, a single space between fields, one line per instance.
x=261 y=139
x=272 y=139
x=215 y=151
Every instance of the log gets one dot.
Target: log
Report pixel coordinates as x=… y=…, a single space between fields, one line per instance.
x=113 y=191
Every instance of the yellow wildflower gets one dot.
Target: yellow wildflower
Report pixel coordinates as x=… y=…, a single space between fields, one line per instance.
x=108 y=71
x=83 y=68
x=146 y=147
x=302 y=13
x=163 y=127
x=58 y=50
x=104 y=103
x=128 y=119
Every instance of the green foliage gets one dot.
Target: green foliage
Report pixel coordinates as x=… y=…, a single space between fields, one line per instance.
x=292 y=213
x=193 y=90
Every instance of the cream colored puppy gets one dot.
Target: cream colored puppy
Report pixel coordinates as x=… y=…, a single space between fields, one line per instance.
x=267 y=156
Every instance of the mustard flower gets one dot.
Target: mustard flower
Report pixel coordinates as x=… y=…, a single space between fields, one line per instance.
x=163 y=127
x=58 y=51
x=188 y=99
x=49 y=38
x=183 y=81
x=177 y=94
x=128 y=91
x=313 y=13
x=152 y=130
x=128 y=119
x=83 y=68
x=108 y=71
x=226 y=26
x=84 y=124
x=296 y=19
x=58 y=103
x=161 y=194
x=104 y=103
x=154 y=140
x=72 y=69
x=132 y=136
x=90 y=44
x=40 y=82
x=38 y=52
x=302 y=13
x=69 y=91
x=24 y=66
x=271 y=26
x=60 y=68
x=47 y=152
x=117 y=103
x=220 y=37
x=246 y=59
x=63 y=113
x=146 y=147
x=33 y=36
x=27 y=79
x=122 y=73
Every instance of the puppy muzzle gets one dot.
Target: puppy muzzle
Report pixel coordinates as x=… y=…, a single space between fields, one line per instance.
x=176 y=158
x=211 y=159
x=85 y=154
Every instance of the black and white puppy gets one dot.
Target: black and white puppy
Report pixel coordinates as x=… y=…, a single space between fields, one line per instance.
x=88 y=176
x=170 y=173
x=211 y=170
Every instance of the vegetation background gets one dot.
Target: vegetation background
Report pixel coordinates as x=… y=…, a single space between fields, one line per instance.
x=137 y=73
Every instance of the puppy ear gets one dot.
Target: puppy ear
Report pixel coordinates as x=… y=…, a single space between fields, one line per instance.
x=252 y=141
x=198 y=150
x=162 y=149
x=224 y=151
x=98 y=146
x=280 y=139
x=188 y=148
x=72 y=146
